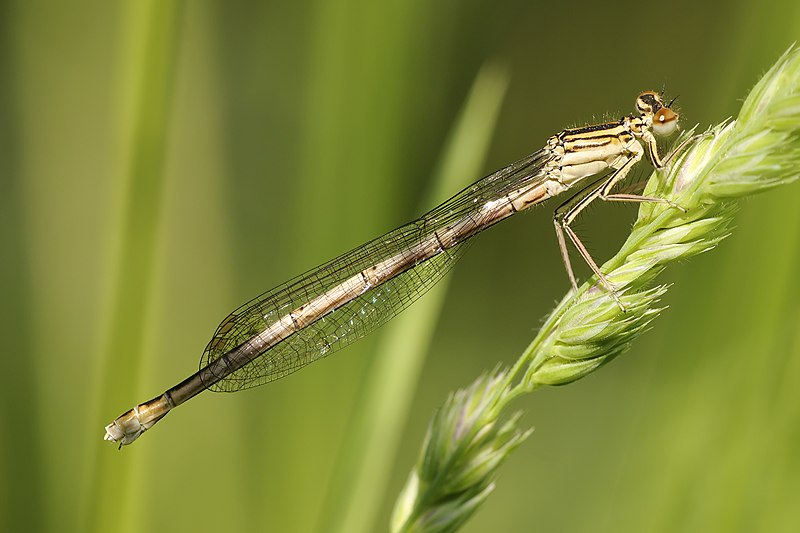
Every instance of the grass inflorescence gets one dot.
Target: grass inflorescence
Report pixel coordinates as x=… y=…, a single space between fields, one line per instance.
x=468 y=438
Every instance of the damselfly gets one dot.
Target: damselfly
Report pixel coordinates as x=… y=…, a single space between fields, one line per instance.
x=331 y=306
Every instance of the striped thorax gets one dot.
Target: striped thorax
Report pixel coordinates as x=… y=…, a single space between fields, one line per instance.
x=594 y=150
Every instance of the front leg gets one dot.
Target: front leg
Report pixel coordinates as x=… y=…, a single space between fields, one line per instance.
x=652 y=149
x=637 y=154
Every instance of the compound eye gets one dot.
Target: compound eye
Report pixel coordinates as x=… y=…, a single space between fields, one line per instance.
x=665 y=121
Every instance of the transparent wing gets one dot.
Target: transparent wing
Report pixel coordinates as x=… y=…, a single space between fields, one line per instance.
x=366 y=311
x=342 y=326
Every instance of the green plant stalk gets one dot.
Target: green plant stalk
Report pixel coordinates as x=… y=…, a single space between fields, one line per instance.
x=466 y=440
x=153 y=28
x=365 y=462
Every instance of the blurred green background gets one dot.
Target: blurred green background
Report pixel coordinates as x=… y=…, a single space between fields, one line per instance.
x=162 y=162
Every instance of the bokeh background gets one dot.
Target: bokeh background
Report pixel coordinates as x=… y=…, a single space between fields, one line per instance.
x=162 y=162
